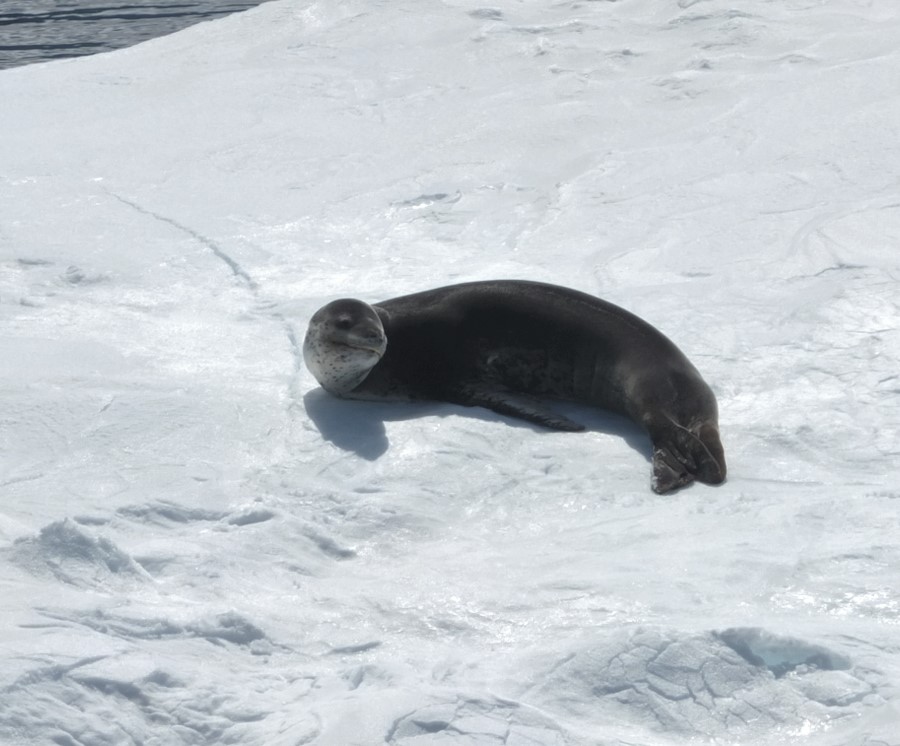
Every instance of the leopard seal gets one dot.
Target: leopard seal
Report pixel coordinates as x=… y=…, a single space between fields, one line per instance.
x=509 y=344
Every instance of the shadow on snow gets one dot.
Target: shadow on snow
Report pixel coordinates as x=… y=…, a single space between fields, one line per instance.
x=358 y=426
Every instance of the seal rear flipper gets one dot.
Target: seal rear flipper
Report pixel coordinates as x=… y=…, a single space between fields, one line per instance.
x=668 y=472
x=680 y=456
x=514 y=405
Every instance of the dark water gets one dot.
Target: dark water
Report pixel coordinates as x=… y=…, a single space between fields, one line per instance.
x=40 y=30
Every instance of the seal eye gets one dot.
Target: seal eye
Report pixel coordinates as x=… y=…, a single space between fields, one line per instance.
x=343 y=323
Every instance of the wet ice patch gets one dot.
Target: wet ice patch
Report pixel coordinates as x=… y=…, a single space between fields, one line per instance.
x=745 y=682
x=781 y=655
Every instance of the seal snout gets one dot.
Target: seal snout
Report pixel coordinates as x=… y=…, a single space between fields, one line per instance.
x=367 y=335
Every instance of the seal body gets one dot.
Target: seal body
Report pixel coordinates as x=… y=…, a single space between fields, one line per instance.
x=508 y=345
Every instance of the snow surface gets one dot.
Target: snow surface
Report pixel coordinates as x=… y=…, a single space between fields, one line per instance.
x=201 y=547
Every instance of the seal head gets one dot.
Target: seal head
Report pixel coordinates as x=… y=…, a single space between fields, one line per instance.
x=344 y=341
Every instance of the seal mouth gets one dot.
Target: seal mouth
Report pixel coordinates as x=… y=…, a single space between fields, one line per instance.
x=377 y=348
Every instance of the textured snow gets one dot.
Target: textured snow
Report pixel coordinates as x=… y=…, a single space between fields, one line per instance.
x=199 y=546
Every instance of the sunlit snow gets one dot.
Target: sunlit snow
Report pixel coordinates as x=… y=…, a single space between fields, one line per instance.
x=200 y=546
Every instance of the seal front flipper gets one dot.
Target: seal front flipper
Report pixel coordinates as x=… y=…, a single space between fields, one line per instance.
x=513 y=405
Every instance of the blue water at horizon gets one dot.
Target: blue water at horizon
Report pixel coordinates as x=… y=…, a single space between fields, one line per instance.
x=41 y=30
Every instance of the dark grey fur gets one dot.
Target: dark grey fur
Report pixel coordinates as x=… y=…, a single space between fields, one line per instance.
x=506 y=344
